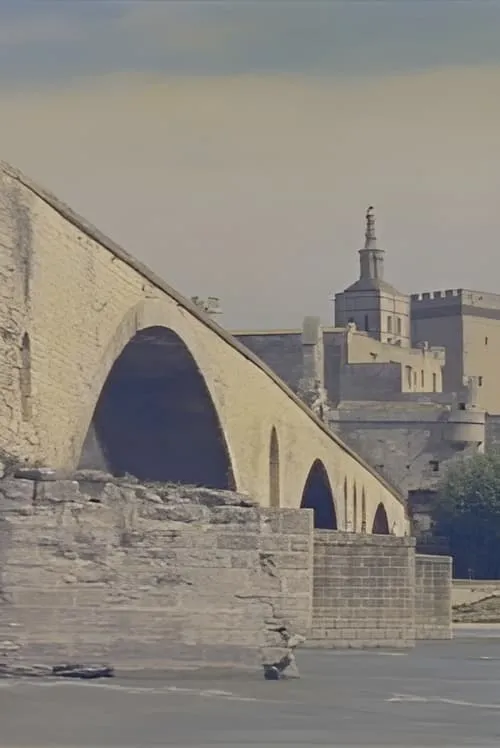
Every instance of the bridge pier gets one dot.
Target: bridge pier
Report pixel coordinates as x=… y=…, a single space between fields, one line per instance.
x=101 y=568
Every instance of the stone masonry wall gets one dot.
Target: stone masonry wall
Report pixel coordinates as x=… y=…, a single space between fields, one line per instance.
x=364 y=588
x=405 y=443
x=98 y=570
x=433 y=586
x=281 y=352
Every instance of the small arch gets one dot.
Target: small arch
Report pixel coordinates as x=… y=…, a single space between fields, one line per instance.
x=274 y=470
x=380 y=521
x=25 y=378
x=363 y=510
x=346 y=505
x=318 y=495
x=155 y=418
x=354 y=508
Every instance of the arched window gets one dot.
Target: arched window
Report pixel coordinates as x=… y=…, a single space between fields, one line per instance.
x=354 y=508
x=363 y=510
x=317 y=495
x=274 y=470
x=346 y=506
x=380 y=521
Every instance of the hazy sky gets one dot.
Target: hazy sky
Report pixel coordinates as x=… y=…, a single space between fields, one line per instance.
x=234 y=146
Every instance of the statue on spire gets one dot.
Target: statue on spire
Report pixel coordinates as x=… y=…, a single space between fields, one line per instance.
x=370 y=238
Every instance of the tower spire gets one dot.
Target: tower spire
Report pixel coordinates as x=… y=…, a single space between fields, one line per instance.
x=371 y=258
x=370 y=238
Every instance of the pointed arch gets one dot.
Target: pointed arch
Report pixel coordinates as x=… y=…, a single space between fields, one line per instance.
x=318 y=495
x=274 y=469
x=363 y=510
x=155 y=418
x=354 y=507
x=380 y=521
x=346 y=505
x=148 y=314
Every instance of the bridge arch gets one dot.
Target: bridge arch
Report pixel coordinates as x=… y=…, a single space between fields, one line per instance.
x=380 y=521
x=151 y=412
x=274 y=469
x=318 y=495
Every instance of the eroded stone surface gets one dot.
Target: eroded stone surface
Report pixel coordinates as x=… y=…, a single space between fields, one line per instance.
x=94 y=569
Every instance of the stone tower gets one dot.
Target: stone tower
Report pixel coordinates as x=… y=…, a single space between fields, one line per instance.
x=371 y=303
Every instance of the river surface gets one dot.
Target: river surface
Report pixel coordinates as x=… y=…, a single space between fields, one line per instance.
x=439 y=694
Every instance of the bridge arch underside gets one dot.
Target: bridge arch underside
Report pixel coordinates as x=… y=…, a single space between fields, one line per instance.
x=155 y=418
x=318 y=495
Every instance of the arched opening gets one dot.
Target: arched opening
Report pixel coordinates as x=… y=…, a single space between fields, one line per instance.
x=317 y=495
x=346 y=505
x=354 y=508
x=25 y=377
x=155 y=418
x=363 y=510
x=380 y=521
x=274 y=470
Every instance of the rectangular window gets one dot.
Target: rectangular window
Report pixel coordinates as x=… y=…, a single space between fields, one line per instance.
x=398 y=324
x=389 y=324
x=480 y=381
x=434 y=382
x=486 y=341
x=422 y=379
x=434 y=466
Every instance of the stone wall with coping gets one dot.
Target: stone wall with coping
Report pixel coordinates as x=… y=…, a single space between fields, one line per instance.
x=364 y=591
x=433 y=585
x=148 y=575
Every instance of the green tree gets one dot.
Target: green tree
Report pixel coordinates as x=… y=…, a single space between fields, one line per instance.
x=467 y=514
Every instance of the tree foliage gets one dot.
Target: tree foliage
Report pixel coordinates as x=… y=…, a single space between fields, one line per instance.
x=467 y=514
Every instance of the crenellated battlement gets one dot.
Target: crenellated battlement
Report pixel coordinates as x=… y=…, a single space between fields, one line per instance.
x=452 y=296
x=440 y=296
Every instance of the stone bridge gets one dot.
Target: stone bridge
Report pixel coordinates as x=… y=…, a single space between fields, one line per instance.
x=104 y=366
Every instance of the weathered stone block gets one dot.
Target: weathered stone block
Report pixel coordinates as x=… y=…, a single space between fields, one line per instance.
x=16 y=491
x=275 y=543
x=297 y=521
x=58 y=492
x=240 y=542
x=185 y=513
x=38 y=474
x=235 y=515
